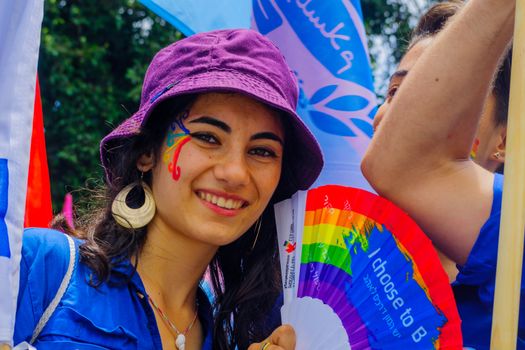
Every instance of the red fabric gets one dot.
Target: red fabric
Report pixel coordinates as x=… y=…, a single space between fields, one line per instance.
x=39 y=211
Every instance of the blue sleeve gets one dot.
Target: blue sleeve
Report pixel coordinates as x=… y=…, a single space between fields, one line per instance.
x=45 y=257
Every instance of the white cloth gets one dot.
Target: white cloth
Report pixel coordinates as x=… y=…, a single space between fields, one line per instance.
x=20 y=24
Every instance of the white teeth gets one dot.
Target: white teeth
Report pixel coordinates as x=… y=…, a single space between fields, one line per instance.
x=221 y=201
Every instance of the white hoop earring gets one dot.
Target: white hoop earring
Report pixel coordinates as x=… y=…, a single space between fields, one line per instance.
x=129 y=217
x=497 y=155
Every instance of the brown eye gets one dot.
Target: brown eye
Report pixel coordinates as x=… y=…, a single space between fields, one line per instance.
x=392 y=91
x=263 y=152
x=205 y=137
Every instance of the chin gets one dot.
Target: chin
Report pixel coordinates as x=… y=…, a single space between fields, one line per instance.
x=222 y=241
x=219 y=237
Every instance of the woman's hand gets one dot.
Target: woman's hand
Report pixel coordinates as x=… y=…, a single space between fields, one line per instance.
x=282 y=338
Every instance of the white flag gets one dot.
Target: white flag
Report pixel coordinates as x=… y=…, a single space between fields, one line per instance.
x=20 y=24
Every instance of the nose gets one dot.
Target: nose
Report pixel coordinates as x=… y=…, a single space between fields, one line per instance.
x=379 y=115
x=232 y=169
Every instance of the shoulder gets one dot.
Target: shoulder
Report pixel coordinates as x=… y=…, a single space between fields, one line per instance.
x=449 y=203
x=490 y=229
x=46 y=246
x=44 y=262
x=44 y=238
x=480 y=266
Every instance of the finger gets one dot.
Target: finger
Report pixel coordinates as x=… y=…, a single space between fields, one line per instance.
x=265 y=345
x=283 y=337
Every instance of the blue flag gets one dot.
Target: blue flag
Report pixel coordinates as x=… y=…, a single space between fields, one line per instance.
x=195 y=16
x=324 y=43
x=20 y=24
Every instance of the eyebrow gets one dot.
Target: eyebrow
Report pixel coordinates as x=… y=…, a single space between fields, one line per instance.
x=226 y=128
x=399 y=74
x=267 y=135
x=213 y=121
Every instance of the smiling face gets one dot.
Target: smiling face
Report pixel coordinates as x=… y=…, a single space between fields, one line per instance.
x=225 y=172
x=490 y=138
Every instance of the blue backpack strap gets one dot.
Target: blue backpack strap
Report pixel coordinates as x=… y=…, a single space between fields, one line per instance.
x=60 y=292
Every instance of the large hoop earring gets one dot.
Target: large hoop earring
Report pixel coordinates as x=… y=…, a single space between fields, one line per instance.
x=257 y=229
x=129 y=217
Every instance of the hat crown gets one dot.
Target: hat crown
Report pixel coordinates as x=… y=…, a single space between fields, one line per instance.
x=244 y=51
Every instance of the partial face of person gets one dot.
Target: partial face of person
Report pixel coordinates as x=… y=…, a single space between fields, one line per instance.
x=220 y=165
x=407 y=62
x=489 y=145
x=490 y=138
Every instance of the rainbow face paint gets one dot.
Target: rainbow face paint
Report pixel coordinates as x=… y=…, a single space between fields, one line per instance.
x=474 y=150
x=175 y=141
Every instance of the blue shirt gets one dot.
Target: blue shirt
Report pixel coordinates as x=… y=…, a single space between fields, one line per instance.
x=107 y=317
x=475 y=283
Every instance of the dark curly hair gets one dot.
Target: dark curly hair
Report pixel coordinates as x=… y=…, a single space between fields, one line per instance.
x=246 y=282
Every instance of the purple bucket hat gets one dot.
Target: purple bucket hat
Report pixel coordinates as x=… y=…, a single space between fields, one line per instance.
x=241 y=61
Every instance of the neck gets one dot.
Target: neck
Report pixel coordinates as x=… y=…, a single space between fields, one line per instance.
x=171 y=266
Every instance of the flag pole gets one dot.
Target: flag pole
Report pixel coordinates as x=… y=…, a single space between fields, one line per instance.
x=510 y=250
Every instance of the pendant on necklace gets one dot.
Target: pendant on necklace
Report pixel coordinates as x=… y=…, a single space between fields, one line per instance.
x=180 y=342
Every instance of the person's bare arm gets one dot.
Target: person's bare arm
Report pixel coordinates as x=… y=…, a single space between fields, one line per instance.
x=419 y=157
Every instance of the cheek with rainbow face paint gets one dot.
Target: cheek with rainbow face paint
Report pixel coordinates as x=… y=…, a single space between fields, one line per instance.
x=174 y=142
x=474 y=149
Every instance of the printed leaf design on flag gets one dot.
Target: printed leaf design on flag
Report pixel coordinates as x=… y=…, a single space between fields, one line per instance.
x=348 y=103
x=339 y=125
x=364 y=126
x=4 y=187
x=322 y=94
x=329 y=124
x=266 y=16
x=372 y=113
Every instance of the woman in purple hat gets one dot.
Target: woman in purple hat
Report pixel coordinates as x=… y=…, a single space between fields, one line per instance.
x=191 y=179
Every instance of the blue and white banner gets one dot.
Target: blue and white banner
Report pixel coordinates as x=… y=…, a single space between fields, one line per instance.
x=20 y=24
x=325 y=44
x=195 y=16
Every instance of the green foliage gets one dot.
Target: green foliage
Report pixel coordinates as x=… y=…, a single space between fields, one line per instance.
x=92 y=61
x=388 y=24
x=94 y=55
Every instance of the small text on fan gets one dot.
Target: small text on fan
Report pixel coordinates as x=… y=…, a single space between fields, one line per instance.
x=389 y=288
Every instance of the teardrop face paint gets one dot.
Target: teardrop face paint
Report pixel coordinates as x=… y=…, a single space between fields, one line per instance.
x=177 y=137
x=474 y=150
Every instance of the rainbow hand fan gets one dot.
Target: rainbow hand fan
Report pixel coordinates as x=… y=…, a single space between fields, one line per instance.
x=358 y=273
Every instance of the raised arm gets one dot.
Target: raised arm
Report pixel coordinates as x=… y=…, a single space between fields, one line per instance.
x=419 y=157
